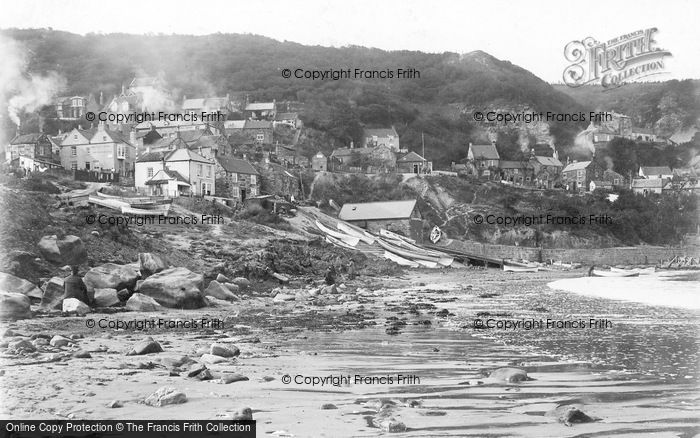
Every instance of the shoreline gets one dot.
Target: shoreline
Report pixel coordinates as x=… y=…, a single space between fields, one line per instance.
x=415 y=325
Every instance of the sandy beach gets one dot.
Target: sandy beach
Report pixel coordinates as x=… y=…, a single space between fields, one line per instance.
x=402 y=348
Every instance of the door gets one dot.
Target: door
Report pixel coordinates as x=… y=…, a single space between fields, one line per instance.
x=415 y=168
x=243 y=195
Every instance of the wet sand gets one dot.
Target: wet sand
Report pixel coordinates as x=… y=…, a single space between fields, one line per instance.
x=639 y=377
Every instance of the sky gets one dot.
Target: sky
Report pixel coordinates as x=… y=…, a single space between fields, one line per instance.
x=529 y=34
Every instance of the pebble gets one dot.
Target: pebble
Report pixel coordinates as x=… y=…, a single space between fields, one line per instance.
x=328 y=406
x=115 y=404
x=232 y=378
x=146 y=346
x=205 y=375
x=60 y=341
x=224 y=350
x=82 y=354
x=212 y=359
x=196 y=369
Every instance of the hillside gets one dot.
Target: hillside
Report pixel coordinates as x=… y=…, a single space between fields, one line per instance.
x=438 y=104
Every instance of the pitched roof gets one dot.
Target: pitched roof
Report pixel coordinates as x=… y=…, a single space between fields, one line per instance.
x=235 y=165
x=182 y=154
x=579 y=165
x=345 y=152
x=27 y=138
x=484 y=151
x=411 y=157
x=260 y=106
x=512 y=165
x=257 y=124
x=656 y=170
x=645 y=131
x=234 y=124
x=381 y=132
x=150 y=157
x=286 y=116
x=165 y=175
x=377 y=210
x=643 y=183
x=548 y=161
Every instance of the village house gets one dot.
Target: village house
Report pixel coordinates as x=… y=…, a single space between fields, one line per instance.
x=32 y=152
x=260 y=111
x=289 y=156
x=221 y=105
x=259 y=130
x=277 y=180
x=209 y=146
x=75 y=107
x=236 y=179
x=600 y=185
x=98 y=150
x=484 y=159
x=388 y=137
x=644 y=186
x=141 y=139
x=319 y=162
x=655 y=172
x=413 y=163
x=513 y=172
x=577 y=176
x=401 y=217
x=288 y=119
x=643 y=134
x=184 y=173
x=543 y=171
x=616 y=180
x=378 y=159
x=163 y=145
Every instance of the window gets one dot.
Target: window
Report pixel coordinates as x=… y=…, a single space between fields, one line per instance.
x=260 y=137
x=73 y=151
x=87 y=165
x=234 y=177
x=234 y=192
x=253 y=179
x=75 y=136
x=74 y=165
x=616 y=181
x=208 y=171
x=149 y=172
x=253 y=191
x=104 y=138
x=199 y=170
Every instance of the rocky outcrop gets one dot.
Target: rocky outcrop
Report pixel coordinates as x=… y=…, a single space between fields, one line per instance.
x=217 y=290
x=106 y=297
x=166 y=396
x=142 y=303
x=67 y=251
x=53 y=294
x=11 y=284
x=112 y=276
x=14 y=306
x=175 y=288
x=150 y=263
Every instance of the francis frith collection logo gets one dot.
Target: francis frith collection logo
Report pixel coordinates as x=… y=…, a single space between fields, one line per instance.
x=613 y=63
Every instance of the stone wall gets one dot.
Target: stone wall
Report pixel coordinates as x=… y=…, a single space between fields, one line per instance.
x=600 y=256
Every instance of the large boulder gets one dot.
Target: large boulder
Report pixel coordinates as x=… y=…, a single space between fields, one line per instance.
x=11 y=284
x=112 y=276
x=67 y=251
x=74 y=305
x=106 y=297
x=150 y=263
x=142 y=303
x=14 y=306
x=176 y=288
x=217 y=290
x=53 y=294
x=166 y=396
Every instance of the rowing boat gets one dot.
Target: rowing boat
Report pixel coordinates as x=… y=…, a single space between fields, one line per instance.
x=393 y=236
x=345 y=238
x=400 y=260
x=109 y=203
x=599 y=273
x=142 y=212
x=640 y=271
x=356 y=232
x=511 y=268
x=338 y=242
x=412 y=255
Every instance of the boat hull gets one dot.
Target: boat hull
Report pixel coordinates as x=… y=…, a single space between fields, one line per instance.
x=597 y=273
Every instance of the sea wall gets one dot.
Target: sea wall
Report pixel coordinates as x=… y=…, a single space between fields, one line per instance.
x=631 y=255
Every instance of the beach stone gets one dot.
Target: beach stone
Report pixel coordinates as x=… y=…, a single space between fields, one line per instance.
x=147 y=346
x=205 y=375
x=52 y=297
x=217 y=290
x=328 y=406
x=111 y=275
x=241 y=282
x=115 y=404
x=232 y=378
x=142 y=303
x=21 y=346
x=175 y=287
x=223 y=350
x=40 y=342
x=124 y=295
x=242 y=414
x=221 y=278
x=196 y=369
x=510 y=375
x=569 y=414
x=15 y=285
x=232 y=287
x=391 y=425
x=82 y=354
x=106 y=297
x=211 y=359
x=14 y=306
x=60 y=341
x=150 y=263
x=74 y=305
x=282 y=297
x=166 y=395
x=68 y=251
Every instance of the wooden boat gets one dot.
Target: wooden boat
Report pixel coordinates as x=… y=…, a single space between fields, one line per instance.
x=356 y=232
x=345 y=238
x=393 y=236
x=338 y=242
x=143 y=212
x=640 y=271
x=427 y=264
x=105 y=202
x=412 y=255
x=599 y=273
x=400 y=260
x=512 y=268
